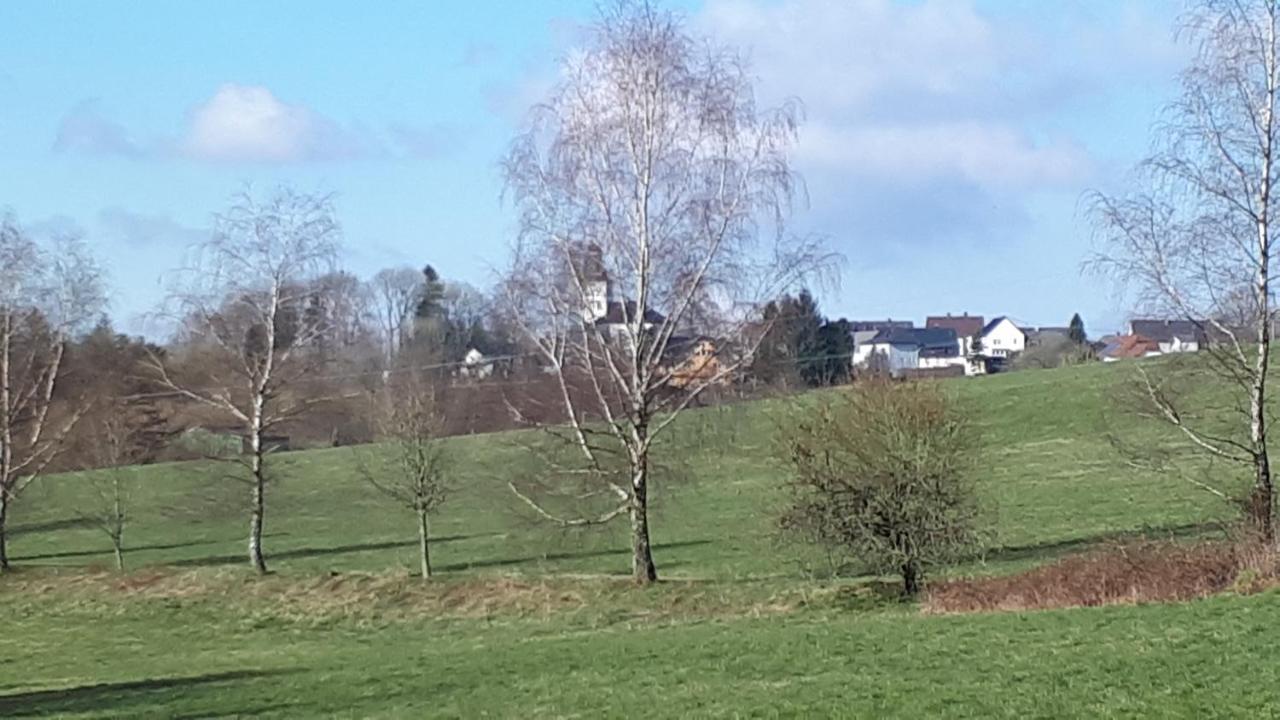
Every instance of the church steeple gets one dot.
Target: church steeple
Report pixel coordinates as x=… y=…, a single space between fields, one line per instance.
x=595 y=284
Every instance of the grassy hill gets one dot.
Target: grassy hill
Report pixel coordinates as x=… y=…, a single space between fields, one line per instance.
x=523 y=623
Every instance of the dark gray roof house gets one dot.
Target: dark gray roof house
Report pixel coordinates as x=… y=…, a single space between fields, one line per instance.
x=931 y=342
x=1036 y=336
x=1166 y=331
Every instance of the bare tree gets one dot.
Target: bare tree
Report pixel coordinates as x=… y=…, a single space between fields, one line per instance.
x=243 y=304
x=110 y=486
x=412 y=467
x=644 y=185
x=1200 y=230
x=396 y=292
x=45 y=297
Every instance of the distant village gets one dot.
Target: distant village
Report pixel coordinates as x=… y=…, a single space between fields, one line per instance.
x=956 y=345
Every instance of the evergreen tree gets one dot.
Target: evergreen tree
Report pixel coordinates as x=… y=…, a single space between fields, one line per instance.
x=431 y=301
x=1076 y=330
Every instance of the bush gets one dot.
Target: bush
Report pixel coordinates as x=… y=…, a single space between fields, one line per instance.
x=882 y=472
x=1054 y=352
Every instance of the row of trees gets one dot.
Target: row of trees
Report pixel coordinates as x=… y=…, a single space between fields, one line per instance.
x=651 y=167
x=651 y=159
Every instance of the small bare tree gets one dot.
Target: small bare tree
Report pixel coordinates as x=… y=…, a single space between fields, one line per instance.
x=110 y=486
x=412 y=466
x=883 y=473
x=644 y=184
x=45 y=297
x=1200 y=231
x=249 y=342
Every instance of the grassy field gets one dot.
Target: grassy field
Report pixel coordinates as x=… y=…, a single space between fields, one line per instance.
x=527 y=621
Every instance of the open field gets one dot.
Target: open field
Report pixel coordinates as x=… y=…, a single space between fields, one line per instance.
x=526 y=620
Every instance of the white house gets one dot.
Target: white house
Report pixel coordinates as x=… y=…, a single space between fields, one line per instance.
x=898 y=350
x=1001 y=338
x=863 y=346
x=475 y=365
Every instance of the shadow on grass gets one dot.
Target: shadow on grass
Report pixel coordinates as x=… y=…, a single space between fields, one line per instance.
x=1053 y=550
x=120 y=696
x=107 y=551
x=574 y=555
x=49 y=526
x=309 y=552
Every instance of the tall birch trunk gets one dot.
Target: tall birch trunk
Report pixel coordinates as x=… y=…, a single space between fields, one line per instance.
x=257 y=502
x=4 y=541
x=643 y=571
x=1262 y=502
x=424 y=544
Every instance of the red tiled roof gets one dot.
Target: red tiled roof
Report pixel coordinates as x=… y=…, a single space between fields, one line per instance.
x=964 y=325
x=1131 y=346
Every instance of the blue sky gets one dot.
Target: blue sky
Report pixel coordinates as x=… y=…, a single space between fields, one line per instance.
x=946 y=149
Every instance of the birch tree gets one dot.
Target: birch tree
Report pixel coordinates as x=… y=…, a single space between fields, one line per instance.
x=649 y=186
x=45 y=297
x=249 y=341
x=1198 y=229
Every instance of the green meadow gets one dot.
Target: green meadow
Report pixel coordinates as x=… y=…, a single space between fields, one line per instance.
x=527 y=621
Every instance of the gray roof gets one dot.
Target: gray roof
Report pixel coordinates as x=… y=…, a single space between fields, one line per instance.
x=862 y=337
x=931 y=342
x=1166 y=330
x=877 y=325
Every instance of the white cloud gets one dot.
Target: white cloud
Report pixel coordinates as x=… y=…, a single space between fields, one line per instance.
x=249 y=123
x=935 y=121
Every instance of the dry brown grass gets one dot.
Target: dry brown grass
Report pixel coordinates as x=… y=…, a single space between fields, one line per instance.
x=395 y=596
x=1125 y=574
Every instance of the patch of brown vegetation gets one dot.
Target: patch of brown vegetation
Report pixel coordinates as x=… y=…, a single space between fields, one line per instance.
x=378 y=597
x=1126 y=574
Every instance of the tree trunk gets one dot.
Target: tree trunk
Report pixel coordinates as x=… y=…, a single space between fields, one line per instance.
x=255 y=525
x=118 y=548
x=258 y=502
x=424 y=548
x=4 y=527
x=910 y=578
x=643 y=570
x=1262 y=500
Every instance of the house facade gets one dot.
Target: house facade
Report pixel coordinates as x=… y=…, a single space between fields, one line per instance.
x=1172 y=336
x=1002 y=339
x=901 y=350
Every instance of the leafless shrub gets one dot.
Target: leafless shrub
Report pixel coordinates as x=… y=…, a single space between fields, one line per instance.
x=882 y=473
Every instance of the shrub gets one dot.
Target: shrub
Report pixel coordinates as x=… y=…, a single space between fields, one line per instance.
x=883 y=472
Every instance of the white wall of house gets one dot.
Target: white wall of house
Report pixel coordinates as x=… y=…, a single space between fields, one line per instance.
x=897 y=357
x=596 y=297
x=928 y=363
x=1003 y=340
x=1179 y=345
